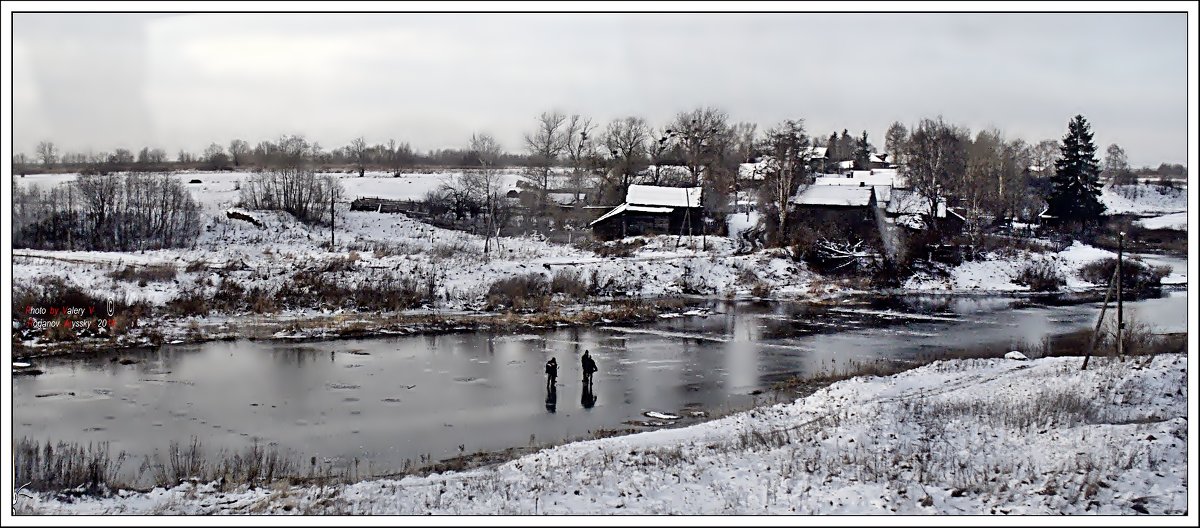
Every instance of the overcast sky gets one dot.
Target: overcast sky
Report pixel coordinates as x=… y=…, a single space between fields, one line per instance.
x=101 y=81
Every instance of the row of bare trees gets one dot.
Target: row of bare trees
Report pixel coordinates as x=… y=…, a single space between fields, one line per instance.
x=987 y=176
x=126 y=212
x=239 y=154
x=291 y=184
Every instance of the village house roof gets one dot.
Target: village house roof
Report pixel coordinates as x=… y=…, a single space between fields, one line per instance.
x=883 y=194
x=564 y=198
x=752 y=171
x=631 y=208
x=652 y=195
x=860 y=177
x=906 y=202
x=834 y=195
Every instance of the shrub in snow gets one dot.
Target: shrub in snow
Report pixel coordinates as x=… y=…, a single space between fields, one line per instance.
x=569 y=283
x=523 y=292
x=1040 y=276
x=145 y=274
x=1135 y=275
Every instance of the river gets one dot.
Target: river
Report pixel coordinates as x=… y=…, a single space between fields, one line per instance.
x=388 y=400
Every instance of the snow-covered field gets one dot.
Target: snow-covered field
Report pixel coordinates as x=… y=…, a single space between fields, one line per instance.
x=395 y=245
x=998 y=271
x=219 y=190
x=1175 y=221
x=1143 y=200
x=991 y=436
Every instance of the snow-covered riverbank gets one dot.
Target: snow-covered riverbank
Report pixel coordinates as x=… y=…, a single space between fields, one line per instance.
x=274 y=276
x=989 y=436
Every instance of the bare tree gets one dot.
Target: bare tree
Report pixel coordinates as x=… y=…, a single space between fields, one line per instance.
x=544 y=147
x=107 y=212
x=121 y=157
x=357 y=151
x=151 y=157
x=1116 y=166
x=47 y=153
x=580 y=147
x=484 y=184
x=698 y=134
x=936 y=161
x=786 y=169
x=703 y=137
x=20 y=163
x=296 y=190
x=394 y=156
x=743 y=137
x=658 y=149
x=1045 y=153
x=239 y=151
x=1015 y=195
x=625 y=140
x=895 y=141
x=215 y=157
x=982 y=180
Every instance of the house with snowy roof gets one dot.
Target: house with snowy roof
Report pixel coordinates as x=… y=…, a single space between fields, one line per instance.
x=652 y=209
x=905 y=208
x=836 y=211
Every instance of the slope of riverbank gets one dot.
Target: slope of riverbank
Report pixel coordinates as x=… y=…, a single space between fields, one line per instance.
x=990 y=436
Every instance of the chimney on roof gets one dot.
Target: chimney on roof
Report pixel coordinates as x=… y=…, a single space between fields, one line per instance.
x=862 y=184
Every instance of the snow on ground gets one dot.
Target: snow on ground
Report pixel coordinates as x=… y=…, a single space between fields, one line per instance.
x=282 y=246
x=1144 y=200
x=395 y=245
x=982 y=436
x=219 y=190
x=739 y=222
x=997 y=271
x=1175 y=221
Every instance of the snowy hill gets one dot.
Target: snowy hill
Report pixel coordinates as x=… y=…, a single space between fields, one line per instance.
x=1143 y=200
x=1109 y=440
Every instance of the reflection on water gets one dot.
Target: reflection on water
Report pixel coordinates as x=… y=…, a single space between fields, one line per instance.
x=392 y=399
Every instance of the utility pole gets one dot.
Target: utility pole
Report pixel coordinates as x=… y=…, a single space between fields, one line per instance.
x=1112 y=281
x=332 y=197
x=1120 y=296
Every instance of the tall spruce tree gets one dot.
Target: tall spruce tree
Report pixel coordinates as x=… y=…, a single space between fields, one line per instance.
x=1075 y=186
x=862 y=153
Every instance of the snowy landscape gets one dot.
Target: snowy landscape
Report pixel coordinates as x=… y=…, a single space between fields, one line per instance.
x=583 y=264
x=1111 y=440
x=376 y=247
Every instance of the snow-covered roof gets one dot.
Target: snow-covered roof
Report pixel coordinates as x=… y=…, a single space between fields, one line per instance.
x=817 y=153
x=906 y=202
x=752 y=171
x=848 y=164
x=883 y=194
x=875 y=158
x=834 y=195
x=631 y=208
x=856 y=178
x=567 y=198
x=663 y=196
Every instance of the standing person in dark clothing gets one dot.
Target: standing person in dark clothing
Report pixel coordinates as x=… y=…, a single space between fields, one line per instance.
x=551 y=374
x=589 y=368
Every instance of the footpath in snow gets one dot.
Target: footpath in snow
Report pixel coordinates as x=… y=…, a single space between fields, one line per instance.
x=991 y=436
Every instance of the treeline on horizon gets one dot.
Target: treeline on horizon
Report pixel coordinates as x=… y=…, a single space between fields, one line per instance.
x=397 y=156
x=986 y=176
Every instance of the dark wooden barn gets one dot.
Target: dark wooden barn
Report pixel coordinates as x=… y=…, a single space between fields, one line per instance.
x=653 y=210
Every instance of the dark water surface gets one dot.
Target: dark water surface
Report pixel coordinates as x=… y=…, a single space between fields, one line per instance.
x=391 y=399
